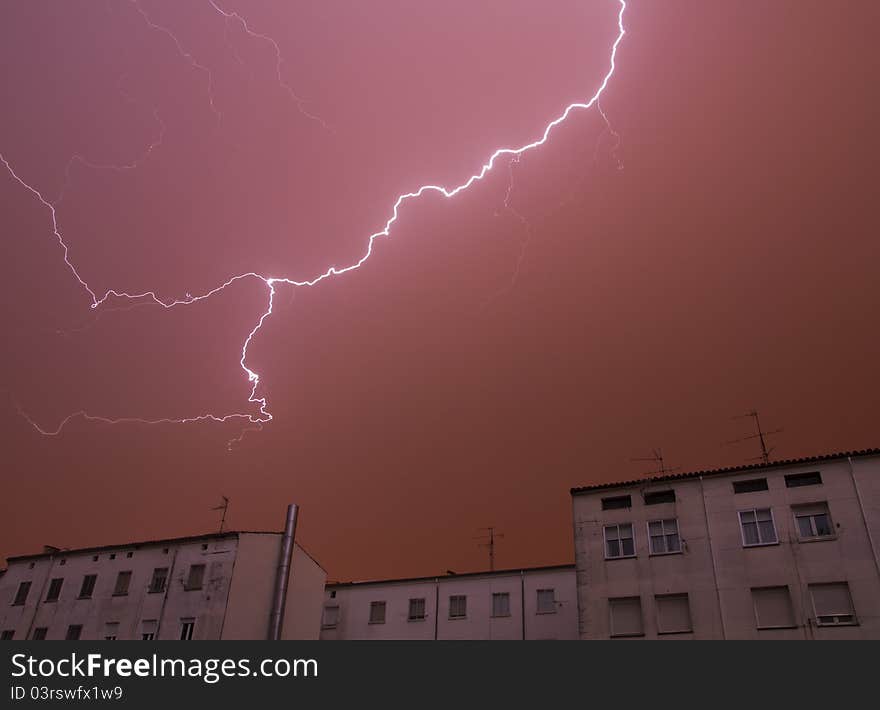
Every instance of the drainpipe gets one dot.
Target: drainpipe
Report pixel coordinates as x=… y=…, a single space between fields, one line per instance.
x=712 y=555
x=282 y=575
x=852 y=474
x=522 y=600
x=436 y=605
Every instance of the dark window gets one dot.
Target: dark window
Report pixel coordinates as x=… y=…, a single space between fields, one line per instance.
x=187 y=626
x=88 y=586
x=62 y=562
x=39 y=633
x=95 y=558
x=377 y=612
x=794 y=480
x=416 y=609
x=113 y=556
x=616 y=502
x=7 y=635
x=196 y=575
x=659 y=497
x=457 y=606
x=129 y=554
x=157 y=583
x=333 y=594
x=148 y=636
x=74 y=631
x=54 y=589
x=123 y=579
x=750 y=486
x=22 y=594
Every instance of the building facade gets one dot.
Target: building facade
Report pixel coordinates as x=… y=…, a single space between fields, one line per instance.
x=193 y=588
x=786 y=550
x=538 y=603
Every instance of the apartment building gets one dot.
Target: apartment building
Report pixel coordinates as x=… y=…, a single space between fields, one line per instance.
x=786 y=550
x=538 y=603
x=218 y=586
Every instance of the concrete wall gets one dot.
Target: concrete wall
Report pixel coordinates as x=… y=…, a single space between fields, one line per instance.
x=354 y=601
x=163 y=610
x=717 y=571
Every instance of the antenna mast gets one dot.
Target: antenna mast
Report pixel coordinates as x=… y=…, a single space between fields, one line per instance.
x=489 y=542
x=224 y=506
x=760 y=435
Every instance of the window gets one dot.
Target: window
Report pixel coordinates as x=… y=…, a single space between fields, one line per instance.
x=663 y=535
x=773 y=608
x=157 y=582
x=619 y=541
x=501 y=604
x=74 y=631
x=546 y=601
x=626 y=616
x=796 y=480
x=62 y=562
x=195 y=578
x=616 y=503
x=88 y=586
x=377 y=612
x=416 y=610
x=813 y=521
x=187 y=626
x=148 y=629
x=333 y=594
x=330 y=618
x=129 y=554
x=750 y=486
x=39 y=633
x=22 y=594
x=457 y=606
x=123 y=579
x=7 y=635
x=658 y=497
x=833 y=604
x=757 y=527
x=111 y=631
x=54 y=589
x=673 y=614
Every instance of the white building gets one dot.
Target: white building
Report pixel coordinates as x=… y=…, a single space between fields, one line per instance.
x=780 y=551
x=217 y=586
x=537 y=603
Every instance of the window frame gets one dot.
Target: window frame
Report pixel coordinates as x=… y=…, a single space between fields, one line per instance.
x=538 y=610
x=326 y=624
x=378 y=604
x=188 y=586
x=611 y=601
x=87 y=593
x=52 y=588
x=500 y=595
x=816 y=615
x=187 y=628
x=663 y=522
x=742 y=529
x=21 y=599
x=7 y=635
x=758 y=626
x=40 y=633
x=68 y=634
x=815 y=537
x=463 y=599
x=126 y=574
x=673 y=595
x=409 y=611
x=746 y=481
x=621 y=556
x=152 y=589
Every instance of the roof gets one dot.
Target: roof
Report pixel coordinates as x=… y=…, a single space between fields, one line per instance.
x=154 y=543
x=728 y=470
x=465 y=575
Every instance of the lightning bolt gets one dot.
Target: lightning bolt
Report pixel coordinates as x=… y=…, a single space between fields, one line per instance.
x=263 y=415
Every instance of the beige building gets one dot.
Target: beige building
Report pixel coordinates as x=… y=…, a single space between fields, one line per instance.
x=780 y=551
x=217 y=586
x=538 y=603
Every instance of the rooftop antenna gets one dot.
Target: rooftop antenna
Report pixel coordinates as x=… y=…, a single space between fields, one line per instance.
x=224 y=506
x=657 y=457
x=760 y=435
x=488 y=541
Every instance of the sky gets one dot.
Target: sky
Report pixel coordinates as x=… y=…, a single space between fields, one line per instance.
x=632 y=284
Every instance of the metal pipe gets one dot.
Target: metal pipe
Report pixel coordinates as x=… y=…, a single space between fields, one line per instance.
x=712 y=555
x=282 y=575
x=855 y=482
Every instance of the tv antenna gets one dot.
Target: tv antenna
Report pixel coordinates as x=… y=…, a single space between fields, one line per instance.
x=224 y=506
x=488 y=541
x=760 y=435
x=657 y=457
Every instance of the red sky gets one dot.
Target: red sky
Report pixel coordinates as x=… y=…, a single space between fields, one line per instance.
x=723 y=258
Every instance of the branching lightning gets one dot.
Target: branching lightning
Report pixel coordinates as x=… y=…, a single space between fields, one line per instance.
x=263 y=415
